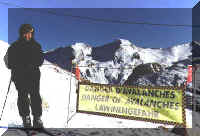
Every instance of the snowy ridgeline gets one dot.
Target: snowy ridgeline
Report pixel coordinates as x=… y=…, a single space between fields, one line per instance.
x=56 y=84
x=113 y=63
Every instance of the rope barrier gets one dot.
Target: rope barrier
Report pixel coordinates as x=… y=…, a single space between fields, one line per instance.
x=67 y=72
x=105 y=67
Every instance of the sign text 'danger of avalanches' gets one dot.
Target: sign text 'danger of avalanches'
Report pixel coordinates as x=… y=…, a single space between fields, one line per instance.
x=154 y=104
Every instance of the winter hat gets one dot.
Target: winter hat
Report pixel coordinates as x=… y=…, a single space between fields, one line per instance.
x=25 y=28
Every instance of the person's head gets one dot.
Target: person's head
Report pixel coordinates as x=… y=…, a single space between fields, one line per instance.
x=26 y=31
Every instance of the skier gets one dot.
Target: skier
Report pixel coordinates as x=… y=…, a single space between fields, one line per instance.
x=24 y=57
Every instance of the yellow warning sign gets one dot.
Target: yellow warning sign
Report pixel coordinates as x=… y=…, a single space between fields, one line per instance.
x=154 y=104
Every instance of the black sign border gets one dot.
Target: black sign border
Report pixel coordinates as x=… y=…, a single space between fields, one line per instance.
x=138 y=118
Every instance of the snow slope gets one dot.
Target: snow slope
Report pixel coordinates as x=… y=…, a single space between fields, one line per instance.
x=54 y=89
x=56 y=84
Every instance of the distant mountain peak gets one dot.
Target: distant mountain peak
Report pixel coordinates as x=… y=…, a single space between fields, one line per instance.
x=125 y=42
x=118 y=54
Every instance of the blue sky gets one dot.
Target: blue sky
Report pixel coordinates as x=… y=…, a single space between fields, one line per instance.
x=66 y=31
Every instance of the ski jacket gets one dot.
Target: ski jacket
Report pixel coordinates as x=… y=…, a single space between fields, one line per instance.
x=24 y=58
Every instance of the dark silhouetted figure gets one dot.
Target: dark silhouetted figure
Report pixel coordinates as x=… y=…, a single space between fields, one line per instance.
x=24 y=57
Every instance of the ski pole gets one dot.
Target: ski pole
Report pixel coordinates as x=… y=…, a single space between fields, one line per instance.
x=6 y=98
x=69 y=95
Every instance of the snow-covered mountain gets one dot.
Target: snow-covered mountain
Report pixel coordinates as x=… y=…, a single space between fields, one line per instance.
x=195 y=52
x=113 y=63
x=56 y=83
x=122 y=62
